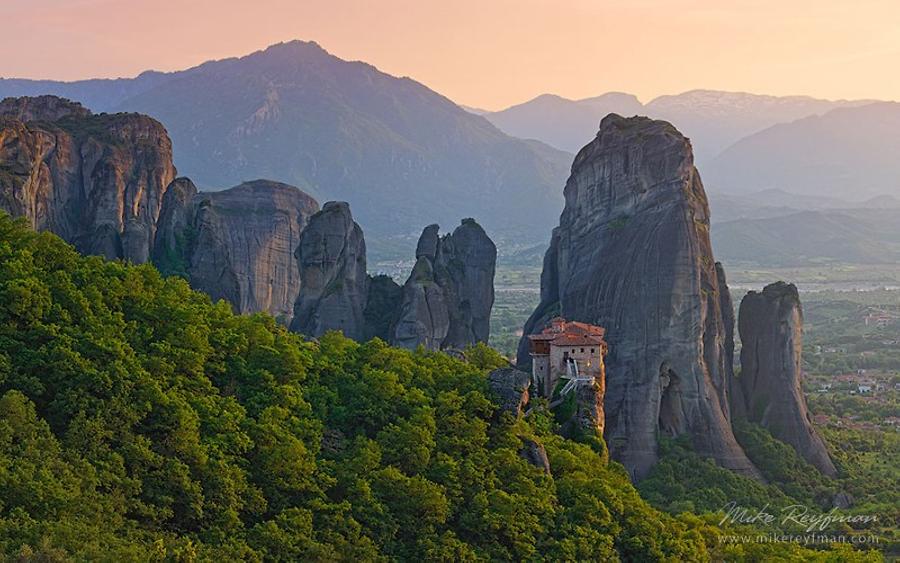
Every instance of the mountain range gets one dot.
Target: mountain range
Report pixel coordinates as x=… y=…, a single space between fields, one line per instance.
x=848 y=153
x=821 y=174
x=714 y=120
x=400 y=153
x=773 y=228
x=404 y=155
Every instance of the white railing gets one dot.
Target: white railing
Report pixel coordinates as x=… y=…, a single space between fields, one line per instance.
x=574 y=377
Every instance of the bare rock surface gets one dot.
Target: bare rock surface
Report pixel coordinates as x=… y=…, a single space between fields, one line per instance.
x=511 y=388
x=589 y=418
x=97 y=181
x=41 y=108
x=333 y=280
x=771 y=328
x=632 y=254
x=448 y=297
x=535 y=453
x=237 y=244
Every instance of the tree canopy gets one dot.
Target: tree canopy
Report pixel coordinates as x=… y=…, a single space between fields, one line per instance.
x=141 y=421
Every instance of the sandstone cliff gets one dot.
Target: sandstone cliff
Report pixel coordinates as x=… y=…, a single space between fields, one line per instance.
x=771 y=328
x=447 y=299
x=97 y=181
x=237 y=244
x=632 y=254
x=333 y=281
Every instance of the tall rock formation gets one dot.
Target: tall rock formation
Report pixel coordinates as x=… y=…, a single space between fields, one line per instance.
x=447 y=299
x=424 y=310
x=632 y=254
x=726 y=305
x=97 y=181
x=333 y=281
x=771 y=328
x=237 y=244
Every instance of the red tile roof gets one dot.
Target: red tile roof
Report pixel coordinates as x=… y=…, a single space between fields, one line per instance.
x=577 y=340
x=574 y=333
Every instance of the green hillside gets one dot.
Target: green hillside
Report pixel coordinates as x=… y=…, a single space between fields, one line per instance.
x=141 y=422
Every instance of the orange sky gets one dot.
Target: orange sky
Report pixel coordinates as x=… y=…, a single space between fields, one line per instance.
x=491 y=53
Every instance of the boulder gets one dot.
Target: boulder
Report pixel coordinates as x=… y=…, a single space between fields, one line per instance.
x=842 y=500
x=534 y=453
x=511 y=388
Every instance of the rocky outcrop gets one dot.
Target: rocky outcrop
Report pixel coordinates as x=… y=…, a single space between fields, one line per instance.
x=447 y=299
x=842 y=500
x=444 y=305
x=589 y=418
x=41 y=108
x=97 y=181
x=237 y=244
x=333 y=281
x=535 y=453
x=172 y=244
x=632 y=254
x=510 y=386
x=106 y=184
x=771 y=329
x=424 y=312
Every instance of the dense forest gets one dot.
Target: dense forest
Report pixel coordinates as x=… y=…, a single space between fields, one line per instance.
x=139 y=421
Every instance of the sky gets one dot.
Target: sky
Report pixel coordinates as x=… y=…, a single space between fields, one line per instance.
x=489 y=53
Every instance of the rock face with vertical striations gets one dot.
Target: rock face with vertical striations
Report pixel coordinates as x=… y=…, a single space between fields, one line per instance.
x=97 y=181
x=726 y=305
x=424 y=310
x=333 y=281
x=771 y=328
x=632 y=254
x=447 y=299
x=237 y=244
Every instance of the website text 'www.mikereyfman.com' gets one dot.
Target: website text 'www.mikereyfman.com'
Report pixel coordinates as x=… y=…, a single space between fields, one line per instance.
x=802 y=539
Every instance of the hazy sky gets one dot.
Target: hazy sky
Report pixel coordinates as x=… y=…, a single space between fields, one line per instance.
x=488 y=53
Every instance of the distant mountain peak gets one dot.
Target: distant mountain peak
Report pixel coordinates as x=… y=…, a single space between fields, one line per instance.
x=611 y=96
x=296 y=47
x=401 y=153
x=713 y=119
